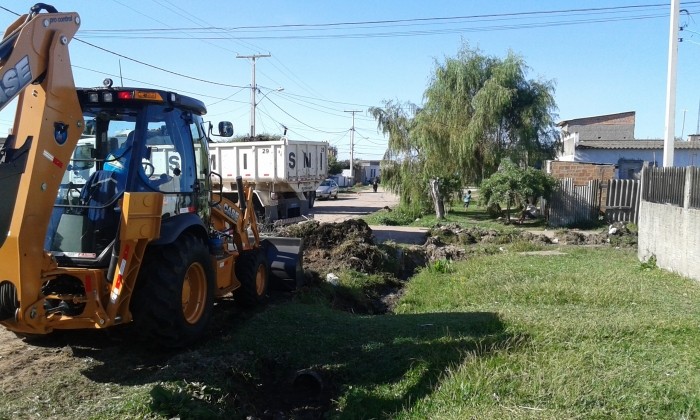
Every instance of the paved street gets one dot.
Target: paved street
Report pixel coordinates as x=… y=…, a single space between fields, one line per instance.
x=351 y=205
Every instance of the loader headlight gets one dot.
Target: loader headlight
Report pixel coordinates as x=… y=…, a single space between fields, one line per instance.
x=93 y=97
x=108 y=97
x=274 y=196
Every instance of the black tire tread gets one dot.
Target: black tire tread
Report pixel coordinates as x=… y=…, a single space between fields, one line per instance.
x=157 y=306
x=246 y=270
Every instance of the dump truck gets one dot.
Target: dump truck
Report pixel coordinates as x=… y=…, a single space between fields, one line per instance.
x=285 y=172
x=110 y=212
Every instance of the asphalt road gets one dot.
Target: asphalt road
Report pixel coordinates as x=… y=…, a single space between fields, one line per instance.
x=355 y=205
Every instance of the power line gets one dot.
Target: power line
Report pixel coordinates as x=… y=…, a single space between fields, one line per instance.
x=159 y=68
x=398 y=34
x=428 y=19
x=199 y=94
x=299 y=121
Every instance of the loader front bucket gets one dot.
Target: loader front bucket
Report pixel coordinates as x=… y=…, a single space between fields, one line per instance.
x=286 y=261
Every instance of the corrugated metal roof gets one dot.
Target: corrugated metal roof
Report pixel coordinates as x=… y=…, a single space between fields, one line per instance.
x=635 y=144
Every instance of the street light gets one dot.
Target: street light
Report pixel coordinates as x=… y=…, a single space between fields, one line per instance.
x=255 y=104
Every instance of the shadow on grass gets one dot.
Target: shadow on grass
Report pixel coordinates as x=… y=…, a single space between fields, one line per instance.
x=368 y=366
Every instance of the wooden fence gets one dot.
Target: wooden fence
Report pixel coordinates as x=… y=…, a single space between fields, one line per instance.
x=664 y=185
x=622 y=201
x=573 y=205
x=676 y=186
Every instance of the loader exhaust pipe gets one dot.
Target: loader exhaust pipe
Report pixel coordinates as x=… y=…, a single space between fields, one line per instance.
x=241 y=196
x=286 y=262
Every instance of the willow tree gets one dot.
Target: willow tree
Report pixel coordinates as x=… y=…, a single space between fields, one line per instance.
x=404 y=156
x=414 y=165
x=485 y=108
x=477 y=110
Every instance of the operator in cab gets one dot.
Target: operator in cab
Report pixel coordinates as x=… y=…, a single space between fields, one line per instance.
x=118 y=160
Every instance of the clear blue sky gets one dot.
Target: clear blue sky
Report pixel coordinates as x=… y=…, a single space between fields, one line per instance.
x=602 y=61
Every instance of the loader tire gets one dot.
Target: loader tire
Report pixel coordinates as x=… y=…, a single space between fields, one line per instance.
x=174 y=293
x=253 y=271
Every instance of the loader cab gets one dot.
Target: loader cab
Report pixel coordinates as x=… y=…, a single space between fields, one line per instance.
x=133 y=140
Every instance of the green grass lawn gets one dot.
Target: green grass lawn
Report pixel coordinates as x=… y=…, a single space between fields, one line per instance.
x=596 y=336
x=588 y=334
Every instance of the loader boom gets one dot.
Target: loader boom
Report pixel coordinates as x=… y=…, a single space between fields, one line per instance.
x=35 y=67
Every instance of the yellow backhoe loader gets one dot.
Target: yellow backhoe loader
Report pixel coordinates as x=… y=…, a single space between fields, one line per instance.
x=109 y=212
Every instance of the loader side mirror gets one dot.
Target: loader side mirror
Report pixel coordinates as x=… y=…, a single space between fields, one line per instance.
x=225 y=129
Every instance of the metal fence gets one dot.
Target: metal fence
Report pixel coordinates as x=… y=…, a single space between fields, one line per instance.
x=670 y=186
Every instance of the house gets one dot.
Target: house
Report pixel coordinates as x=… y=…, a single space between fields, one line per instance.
x=609 y=140
x=369 y=170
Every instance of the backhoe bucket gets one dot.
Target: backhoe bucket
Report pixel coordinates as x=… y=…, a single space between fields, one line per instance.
x=286 y=261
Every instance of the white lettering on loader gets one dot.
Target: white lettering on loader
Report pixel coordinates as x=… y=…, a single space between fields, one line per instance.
x=14 y=79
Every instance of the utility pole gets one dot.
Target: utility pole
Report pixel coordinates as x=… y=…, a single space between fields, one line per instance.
x=669 y=136
x=697 y=128
x=253 y=89
x=683 y=126
x=352 y=145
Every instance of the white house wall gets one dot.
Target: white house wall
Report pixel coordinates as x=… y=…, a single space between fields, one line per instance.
x=681 y=157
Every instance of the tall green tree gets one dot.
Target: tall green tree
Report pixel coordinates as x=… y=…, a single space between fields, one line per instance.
x=487 y=109
x=477 y=110
x=334 y=165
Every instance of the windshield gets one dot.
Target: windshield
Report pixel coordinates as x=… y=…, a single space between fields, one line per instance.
x=326 y=183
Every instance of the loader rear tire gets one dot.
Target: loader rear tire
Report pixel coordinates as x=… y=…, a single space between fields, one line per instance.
x=174 y=293
x=253 y=271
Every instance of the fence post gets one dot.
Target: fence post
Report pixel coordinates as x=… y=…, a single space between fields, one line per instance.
x=688 y=187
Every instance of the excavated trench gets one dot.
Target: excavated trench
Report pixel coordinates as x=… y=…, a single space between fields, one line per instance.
x=332 y=248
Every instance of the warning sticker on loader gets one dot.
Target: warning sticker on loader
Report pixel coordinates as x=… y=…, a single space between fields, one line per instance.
x=118 y=283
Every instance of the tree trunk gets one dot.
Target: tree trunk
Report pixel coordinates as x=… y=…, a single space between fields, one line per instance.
x=437 y=199
x=508 y=210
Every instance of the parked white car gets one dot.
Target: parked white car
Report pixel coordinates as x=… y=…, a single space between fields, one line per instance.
x=327 y=189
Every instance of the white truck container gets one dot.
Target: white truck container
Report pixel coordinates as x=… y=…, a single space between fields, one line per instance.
x=285 y=172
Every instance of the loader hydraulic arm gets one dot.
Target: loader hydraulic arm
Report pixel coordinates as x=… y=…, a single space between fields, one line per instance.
x=35 y=67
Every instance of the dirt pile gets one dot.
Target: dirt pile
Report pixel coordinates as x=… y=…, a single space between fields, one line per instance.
x=332 y=247
x=622 y=234
x=453 y=233
x=617 y=234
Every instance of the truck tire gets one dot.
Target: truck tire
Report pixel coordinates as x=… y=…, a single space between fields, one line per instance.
x=312 y=199
x=253 y=271
x=174 y=292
